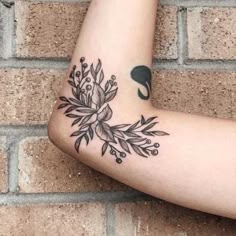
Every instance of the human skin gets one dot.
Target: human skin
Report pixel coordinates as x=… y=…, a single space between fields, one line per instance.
x=196 y=163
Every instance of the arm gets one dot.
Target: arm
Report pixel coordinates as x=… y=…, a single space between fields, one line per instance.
x=185 y=159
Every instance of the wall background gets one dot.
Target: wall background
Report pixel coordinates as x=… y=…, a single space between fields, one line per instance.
x=45 y=192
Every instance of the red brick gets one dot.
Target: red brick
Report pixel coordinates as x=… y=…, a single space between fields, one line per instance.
x=211 y=33
x=208 y=93
x=161 y=218
x=47 y=29
x=51 y=29
x=166 y=33
x=27 y=95
x=67 y=219
x=43 y=168
x=3 y=165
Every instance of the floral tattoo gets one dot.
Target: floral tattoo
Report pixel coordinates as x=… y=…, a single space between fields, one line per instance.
x=90 y=111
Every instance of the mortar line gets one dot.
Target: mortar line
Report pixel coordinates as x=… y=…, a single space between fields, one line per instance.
x=160 y=64
x=23 y=131
x=195 y=65
x=182 y=34
x=12 y=152
x=60 y=198
x=199 y=3
x=14 y=33
x=110 y=220
x=33 y=63
x=8 y=21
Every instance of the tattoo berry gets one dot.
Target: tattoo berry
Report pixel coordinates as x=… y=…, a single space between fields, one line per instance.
x=74 y=67
x=123 y=154
x=82 y=59
x=118 y=160
x=85 y=65
x=155 y=152
x=115 y=84
x=148 y=141
x=156 y=145
x=77 y=74
x=112 y=152
x=88 y=79
x=88 y=87
x=113 y=77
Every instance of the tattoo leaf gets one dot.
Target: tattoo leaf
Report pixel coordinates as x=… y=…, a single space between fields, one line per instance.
x=124 y=145
x=72 y=83
x=76 y=133
x=104 y=147
x=63 y=105
x=101 y=77
x=137 y=150
x=93 y=72
x=98 y=95
x=71 y=108
x=132 y=127
x=72 y=115
x=160 y=133
x=89 y=119
x=91 y=132
x=105 y=114
x=110 y=95
x=120 y=126
x=76 y=121
x=149 y=126
x=99 y=65
x=64 y=99
x=85 y=119
x=86 y=110
x=135 y=140
x=86 y=139
x=86 y=73
x=77 y=143
x=131 y=134
x=118 y=133
x=76 y=101
x=142 y=120
x=103 y=131
x=150 y=120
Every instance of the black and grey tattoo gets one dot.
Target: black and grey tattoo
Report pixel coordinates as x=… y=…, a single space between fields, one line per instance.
x=143 y=76
x=90 y=111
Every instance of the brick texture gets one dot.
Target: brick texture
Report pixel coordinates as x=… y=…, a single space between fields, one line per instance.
x=208 y=93
x=45 y=220
x=51 y=29
x=47 y=31
x=27 y=95
x=3 y=165
x=161 y=218
x=211 y=33
x=43 y=168
x=165 y=46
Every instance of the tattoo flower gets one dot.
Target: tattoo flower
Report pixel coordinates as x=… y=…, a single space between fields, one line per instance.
x=90 y=110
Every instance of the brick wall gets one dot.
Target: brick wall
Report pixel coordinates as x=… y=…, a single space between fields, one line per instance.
x=45 y=192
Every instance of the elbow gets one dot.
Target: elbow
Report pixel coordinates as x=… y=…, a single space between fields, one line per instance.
x=56 y=130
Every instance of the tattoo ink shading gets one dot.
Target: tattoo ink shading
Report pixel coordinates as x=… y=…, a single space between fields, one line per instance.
x=90 y=110
x=143 y=76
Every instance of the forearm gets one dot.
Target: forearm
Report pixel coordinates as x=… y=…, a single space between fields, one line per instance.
x=196 y=164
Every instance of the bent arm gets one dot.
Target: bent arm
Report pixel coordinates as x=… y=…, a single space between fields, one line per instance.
x=105 y=119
